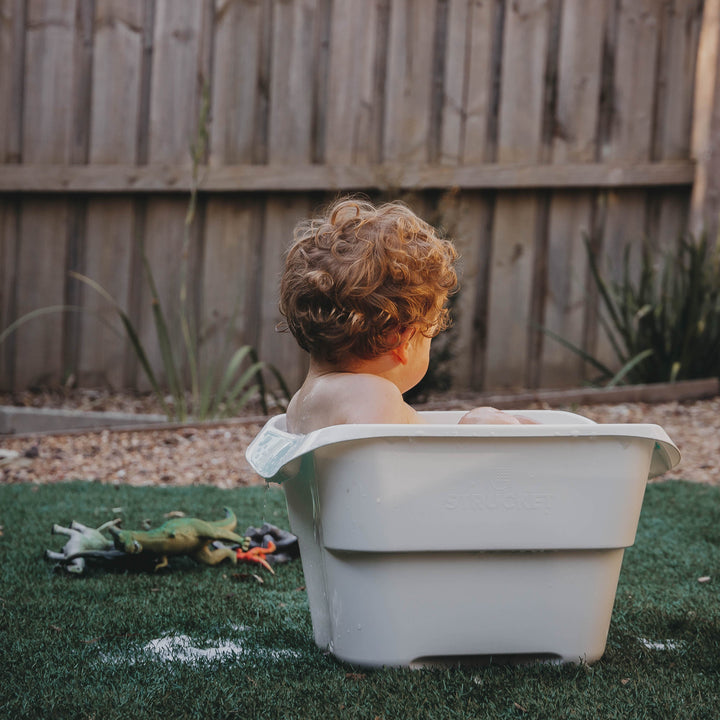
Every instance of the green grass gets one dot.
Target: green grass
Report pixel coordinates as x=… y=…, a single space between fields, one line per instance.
x=72 y=647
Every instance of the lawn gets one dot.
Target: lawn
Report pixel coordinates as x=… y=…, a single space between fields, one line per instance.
x=200 y=642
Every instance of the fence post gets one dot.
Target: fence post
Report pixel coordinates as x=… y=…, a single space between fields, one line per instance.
x=705 y=148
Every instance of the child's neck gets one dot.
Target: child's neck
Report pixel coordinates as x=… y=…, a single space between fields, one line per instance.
x=383 y=366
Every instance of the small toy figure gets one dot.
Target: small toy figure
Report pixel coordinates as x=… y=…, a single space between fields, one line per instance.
x=183 y=536
x=149 y=549
x=84 y=541
x=257 y=555
x=285 y=543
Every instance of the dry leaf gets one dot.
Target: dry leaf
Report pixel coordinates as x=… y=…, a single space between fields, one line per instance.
x=520 y=707
x=355 y=676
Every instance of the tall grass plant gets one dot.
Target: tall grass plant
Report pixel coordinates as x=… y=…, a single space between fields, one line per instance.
x=663 y=323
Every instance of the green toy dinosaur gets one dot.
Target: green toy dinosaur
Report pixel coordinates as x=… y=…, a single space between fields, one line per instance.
x=183 y=536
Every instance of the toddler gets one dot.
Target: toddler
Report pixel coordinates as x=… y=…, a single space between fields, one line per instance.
x=364 y=291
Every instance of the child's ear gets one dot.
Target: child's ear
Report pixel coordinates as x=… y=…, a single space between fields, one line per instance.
x=400 y=353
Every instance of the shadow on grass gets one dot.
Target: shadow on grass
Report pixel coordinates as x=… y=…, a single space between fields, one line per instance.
x=97 y=645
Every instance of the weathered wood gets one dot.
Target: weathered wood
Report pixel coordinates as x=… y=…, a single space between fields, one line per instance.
x=229 y=279
x=173 y=109
x=350 y=136
x=293 y=53
x=667 y=211
x=232 y=232
x=467 y=216
x=40 y=277
x=108 y=254
x=46 y=135
x=633 y=37
x=516 y=126
x=705 y=203
x=9 y=231
x=409 y=84
x=12 y=66
x=514 y=226
x=654 y=393
x=573 y=141
x=116 y=81
x=12 y=54
x=48 y=82
x=237 y=55
x=279 y=348
x=107 y=261
x=290 y=140
x=173 y=129
x=169 y=178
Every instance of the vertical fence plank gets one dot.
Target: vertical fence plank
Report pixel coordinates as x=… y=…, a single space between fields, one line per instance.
x=514 y=230
x=77 y=208
x=47 y=119
x=12 y=54
x=574 y=139
x=173 y=125
x=173 y=111
x=290 y=140
x=233 y=225
x=229 y=283
x=236 y=64
x=465 y=140
x=409 y=83
x=668 y=211
x=12 y=60
x=49 y=67
x=631 y=130
x=292 y=81
x=452 y=102
x=705 y=203
x=117 y=64
x=352 y=98
x=8 y=289
x=116 y=81
x=630 y=138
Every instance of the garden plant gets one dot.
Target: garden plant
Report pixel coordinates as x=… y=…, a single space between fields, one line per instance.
x=663 y=321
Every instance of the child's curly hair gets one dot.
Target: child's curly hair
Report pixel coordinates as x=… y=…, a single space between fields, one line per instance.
x=359 y=276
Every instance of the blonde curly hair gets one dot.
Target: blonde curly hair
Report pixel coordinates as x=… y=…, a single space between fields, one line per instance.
x=356 y=278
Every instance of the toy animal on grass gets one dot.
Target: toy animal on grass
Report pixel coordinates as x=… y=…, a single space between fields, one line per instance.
x=84 y=542
x=183 y=536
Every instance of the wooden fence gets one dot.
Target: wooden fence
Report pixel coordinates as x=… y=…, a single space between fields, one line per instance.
x=519 y=126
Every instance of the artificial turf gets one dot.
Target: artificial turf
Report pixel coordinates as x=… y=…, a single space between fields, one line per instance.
x=91 y=646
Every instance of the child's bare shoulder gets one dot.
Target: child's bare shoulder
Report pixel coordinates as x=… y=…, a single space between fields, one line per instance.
x=367 y=398
x=340 y=398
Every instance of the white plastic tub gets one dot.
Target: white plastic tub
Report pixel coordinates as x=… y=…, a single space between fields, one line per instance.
x=427 y=543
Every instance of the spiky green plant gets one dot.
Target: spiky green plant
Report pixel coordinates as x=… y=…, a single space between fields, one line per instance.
x=663 y=325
